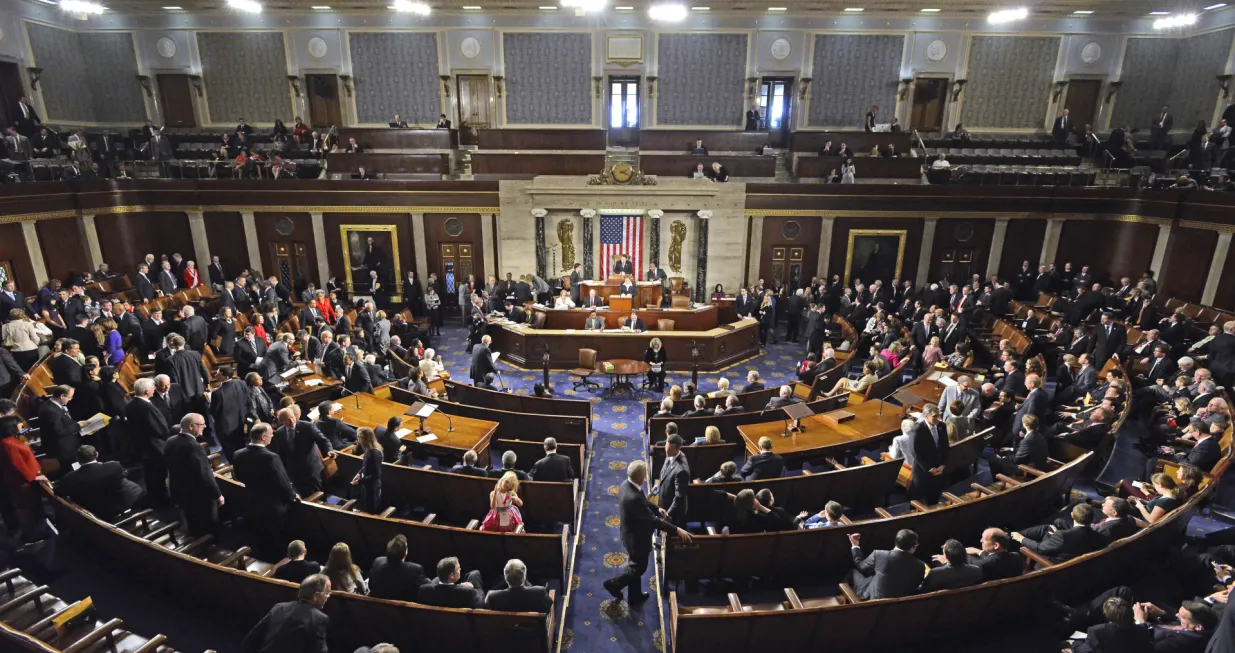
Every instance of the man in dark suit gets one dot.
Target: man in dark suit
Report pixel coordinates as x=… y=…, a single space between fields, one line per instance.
x=217 y=276
x=26 y=120
x=298 y=625
x=65 y=370
x=1062 y=541
x=518 y=596
x=194 y=329
x=1029 y=448
x=673 y=480
x=482 y=360
x=340 y=435
x=393 y=577
x=639 y=520
x=448 y=592
x=753 y=382
x=270 y=493
x=60 y=433
x=592 y=300
x=160 y=147
x=186 y=369
x=623 y=265
x=956 y=571
x=297 y=567
x=228 y=408
x=169 y=399
x=994 y=557
x=515 y=314
x=634 y=323
x=930 y=452
x=763 y=465
x=148 y=428
x=1222 y=355
x=99 y=487
x=167 y=279
x=468 y=466
x=10 y=373
x=1108 y=339
x=10 y=299
x=782 y=399
x=1013 y=381
x=249 y=352
x=355 y=376
x=1062 y=128
x=1160 y=129
x=1118 y=520
x=576 y=276
x=301 y=446
x=744 y=305
x=886 y=574
x=190 y=477
x=554 y=466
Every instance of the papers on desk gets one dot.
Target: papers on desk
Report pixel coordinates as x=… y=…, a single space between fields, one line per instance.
x=425 y=410
x=946 y=381
x=336 y=406
x=428 y=437
x=95 y=424
x=290 y=373
x=313 y=383
x=611 y=330
x=403 y=433
x=314 y=414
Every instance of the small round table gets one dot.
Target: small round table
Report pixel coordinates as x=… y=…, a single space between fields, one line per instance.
x=620 y=373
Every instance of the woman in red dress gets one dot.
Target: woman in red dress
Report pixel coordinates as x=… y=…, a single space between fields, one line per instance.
x=191 y=277
x=326 y=307
x=20 y=473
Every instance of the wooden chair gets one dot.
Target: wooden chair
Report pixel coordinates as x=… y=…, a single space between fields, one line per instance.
x=587 y=367
x=679 y=301
x=538 y=320
x=664 y=325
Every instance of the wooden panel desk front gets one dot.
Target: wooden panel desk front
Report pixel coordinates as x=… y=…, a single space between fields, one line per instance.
x=864 y=167
x=387 y=138
x=820 y=439
x=718 y=348
x=648 y=293
x=468 y=434
x=532 y=163
x=684 y=319
x=433 y=165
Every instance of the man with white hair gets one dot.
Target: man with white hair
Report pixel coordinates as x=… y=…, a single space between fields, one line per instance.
x=196 y=331
x=782 y=399
x=519 y=595
x=639 y=520
x=902 y=445
x=753 y=383
x=482 y=360
x=149 y=428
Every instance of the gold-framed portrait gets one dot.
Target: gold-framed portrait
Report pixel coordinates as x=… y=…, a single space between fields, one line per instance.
x=371 y=248
x=875 y=254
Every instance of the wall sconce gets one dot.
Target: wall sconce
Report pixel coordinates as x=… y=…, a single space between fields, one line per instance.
x=497 y=81
x=445 y=84
x=294 y=80
x=1224 y=82
x=144 y=80
x=1111 y=89
x=347 y=84
x=805 y=86
x=652 y=86
x=750 y=87
x=1059 y=89
x=196 y=80
x=35 y=74
x=597 y=81
x=957 y=87
x=905 y=84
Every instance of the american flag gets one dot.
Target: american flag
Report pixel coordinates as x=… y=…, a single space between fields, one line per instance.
x=621 y=234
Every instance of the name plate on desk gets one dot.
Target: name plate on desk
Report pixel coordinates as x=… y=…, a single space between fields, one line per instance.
x=837 y=417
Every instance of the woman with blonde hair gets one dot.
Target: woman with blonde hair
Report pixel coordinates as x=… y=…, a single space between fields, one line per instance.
x=369 y=478
x=21 y=336
x=504 y=504
x=675 y=392
x=1166 y=501
x=344 y=575
x=711 y=435
x=933 y=353
x=655 y=357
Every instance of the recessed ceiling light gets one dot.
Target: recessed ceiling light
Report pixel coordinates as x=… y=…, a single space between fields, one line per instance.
x=1175 y=20
x=778 y=9
x=412 y=7
x=1217 y=6
x=854 y=10
x=701 y=9
x=248 y=6
x=174 y=8
x=1159 y=13
x=1083 y=12
x=623 y=8
x=669 y=13
x=81 y=7
x=471 y=7
x=50 y=2
x=930 y=11
x=320 y=7
x=549 y=8
x=1007 y=15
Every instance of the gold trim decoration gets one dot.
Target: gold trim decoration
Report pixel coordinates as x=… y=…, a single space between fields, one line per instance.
x=954 y=215
x=621 y=174
x=241 y=208
x=391 y=229
x=902 y=236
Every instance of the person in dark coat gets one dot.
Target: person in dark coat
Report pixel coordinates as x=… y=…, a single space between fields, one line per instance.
x=340 y=435
x=451 y=589
x=369 y=478
x=298 y=625
x=639 y=519
x=468 y=466
x=393 y=577
x=518 y=596
x=554 y=467
x=674 y=479
x=99 y=487
x=270 y=491
x=930 y=451
x=60 y=433
x=764 y=464
x=297 y=568
x=148 y=429
x=482 y=360
x=301 y=446
x=886 y=574
x=228 y=408
x=957 y=572
x=190 y=477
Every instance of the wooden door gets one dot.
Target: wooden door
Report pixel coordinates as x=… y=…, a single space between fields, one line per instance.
x=291 y=265
x=930 y=97
x=786 y=268
x=455 y=263
x=473 y=107
x=776 y=107
x=11 y=89
x=323 y=94
x=1082 y=102
x=176 y=100
x=958 y=263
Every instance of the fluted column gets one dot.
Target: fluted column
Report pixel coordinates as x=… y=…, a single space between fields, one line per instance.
x=701 y=274
x=539 y=215
x=654 y=217
x=1216 y=266
x=319 y=243
x=996 y=255
x=250 y=240
x=201 y=242
x=90 y=236
x=589 y=247
x=30 y=235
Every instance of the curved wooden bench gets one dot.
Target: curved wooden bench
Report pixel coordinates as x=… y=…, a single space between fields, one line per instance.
x=512 y=425
x=693 y=427
x=757 y=398
x=468 y=394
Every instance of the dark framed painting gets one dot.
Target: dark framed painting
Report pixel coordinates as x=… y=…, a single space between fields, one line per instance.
x=875 y=254
x=370 y=248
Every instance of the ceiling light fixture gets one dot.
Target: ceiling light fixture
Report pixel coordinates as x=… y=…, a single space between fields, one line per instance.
x=930 y=11
x=1083 y=12
x=778 y=9
x=585 y=6
x=1177 y=20
x=667 y=13
x=471 y=8
x=81 y=7
x=1159 y=13
x=1007 y=15
x=854 y=10
x=701 y=9
x=320 y=7
x=1217 y=6
x=623 y=8
x=50 y=2
x=412 y=7
x=173 y=8
x=247 y=6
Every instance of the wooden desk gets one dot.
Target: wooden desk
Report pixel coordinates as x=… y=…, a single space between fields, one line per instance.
x=726 y=309
x=718 y=348
x=683 y=140
x=620 y=371
x=927 y=388
x=684 y=319
x=312 y=395
x=544 y=139
x=468 y=434
x=820 y=440
x=530 y=164
x=647 y=293
x=388 y=138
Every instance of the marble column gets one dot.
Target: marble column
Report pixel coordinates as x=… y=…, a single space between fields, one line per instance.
x=654 y=217
x=996 y=256
x=487 y=242
x=541 y=264
x=1158 y=263
x=319 y=243
x=201 y=243
x=420 y=250
x=250 y=240
x=825 y=247
x=755 y=255
x=31 y=237
x=589 y=247
x=924 y=257
x=701 y=272
x=1216 y=266
x=90 y=236
x=1050 y=243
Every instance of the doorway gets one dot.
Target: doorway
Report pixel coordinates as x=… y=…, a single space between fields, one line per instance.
x=786 y=270
x=473 y=107
x=776 y=107
x=1082 y=102
x=930 y=99
x=291 y=265
x=323 y=92
x=624 y=110
x=11 y=89
x=176 y=101
x=455 y=263
x=957 y=263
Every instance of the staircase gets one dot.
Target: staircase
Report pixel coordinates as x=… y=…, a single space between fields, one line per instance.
x=784 y=166
x=462 y=163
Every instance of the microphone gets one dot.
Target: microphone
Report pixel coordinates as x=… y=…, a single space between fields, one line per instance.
x=354 y=394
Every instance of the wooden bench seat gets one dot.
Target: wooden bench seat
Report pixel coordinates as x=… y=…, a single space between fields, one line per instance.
x=471 y=395
x=512 y=425
x=693 y=427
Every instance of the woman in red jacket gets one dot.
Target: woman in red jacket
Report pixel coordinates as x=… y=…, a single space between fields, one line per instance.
x=191 y=277
x=20 y=472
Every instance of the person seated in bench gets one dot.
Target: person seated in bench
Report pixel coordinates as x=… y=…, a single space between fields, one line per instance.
x=518 y=596
x=99 y=487
x=509 y=460
x=297 y=568
x=1029 y=449
x=753 y=382
x=722 y=389
x=398 y=122
x=698 y=173
x=891 y=152
x=718 y=173
x=1119 y=632
x=1191 y=629
x=995 y=557
x=826 y=150
x=447 y=591
x=711 y=435
x=764 y=464
x=731 y=406
x=361 y=173
x=666 y=408
x=829 y=516
x=1119 y=519
x=700 y=409
x=554 y=467
x=1063 y=540
x=844 y=384
x=298 y=625
x=955 y=572
x=728 y=473
x=468 y=466
x=393 y=577
x=1166 y=499
x=782 y=399
x=699 y=147
x=886 y=574
x=487 y=382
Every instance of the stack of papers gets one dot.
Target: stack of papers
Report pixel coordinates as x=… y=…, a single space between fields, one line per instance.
x=313 y=383
x=428 y=437
x=403 y=433
x=95 y=424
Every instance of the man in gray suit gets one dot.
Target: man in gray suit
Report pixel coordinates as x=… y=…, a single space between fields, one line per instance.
x=279 y=354
x=594 y=322
x=964 y=391
x=886 y=574
x=674 y=477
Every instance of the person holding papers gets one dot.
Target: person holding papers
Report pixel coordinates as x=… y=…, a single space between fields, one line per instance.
x=594 y=322
x=655 y=356
x=627 y=287
x=633 y=323
x=564 y=301
x=514 y=313
x=482 y=360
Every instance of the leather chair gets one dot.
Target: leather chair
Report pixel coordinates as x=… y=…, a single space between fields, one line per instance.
x=680 y=301
x=664 y=325
x=587 y=367
x=538 y=320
